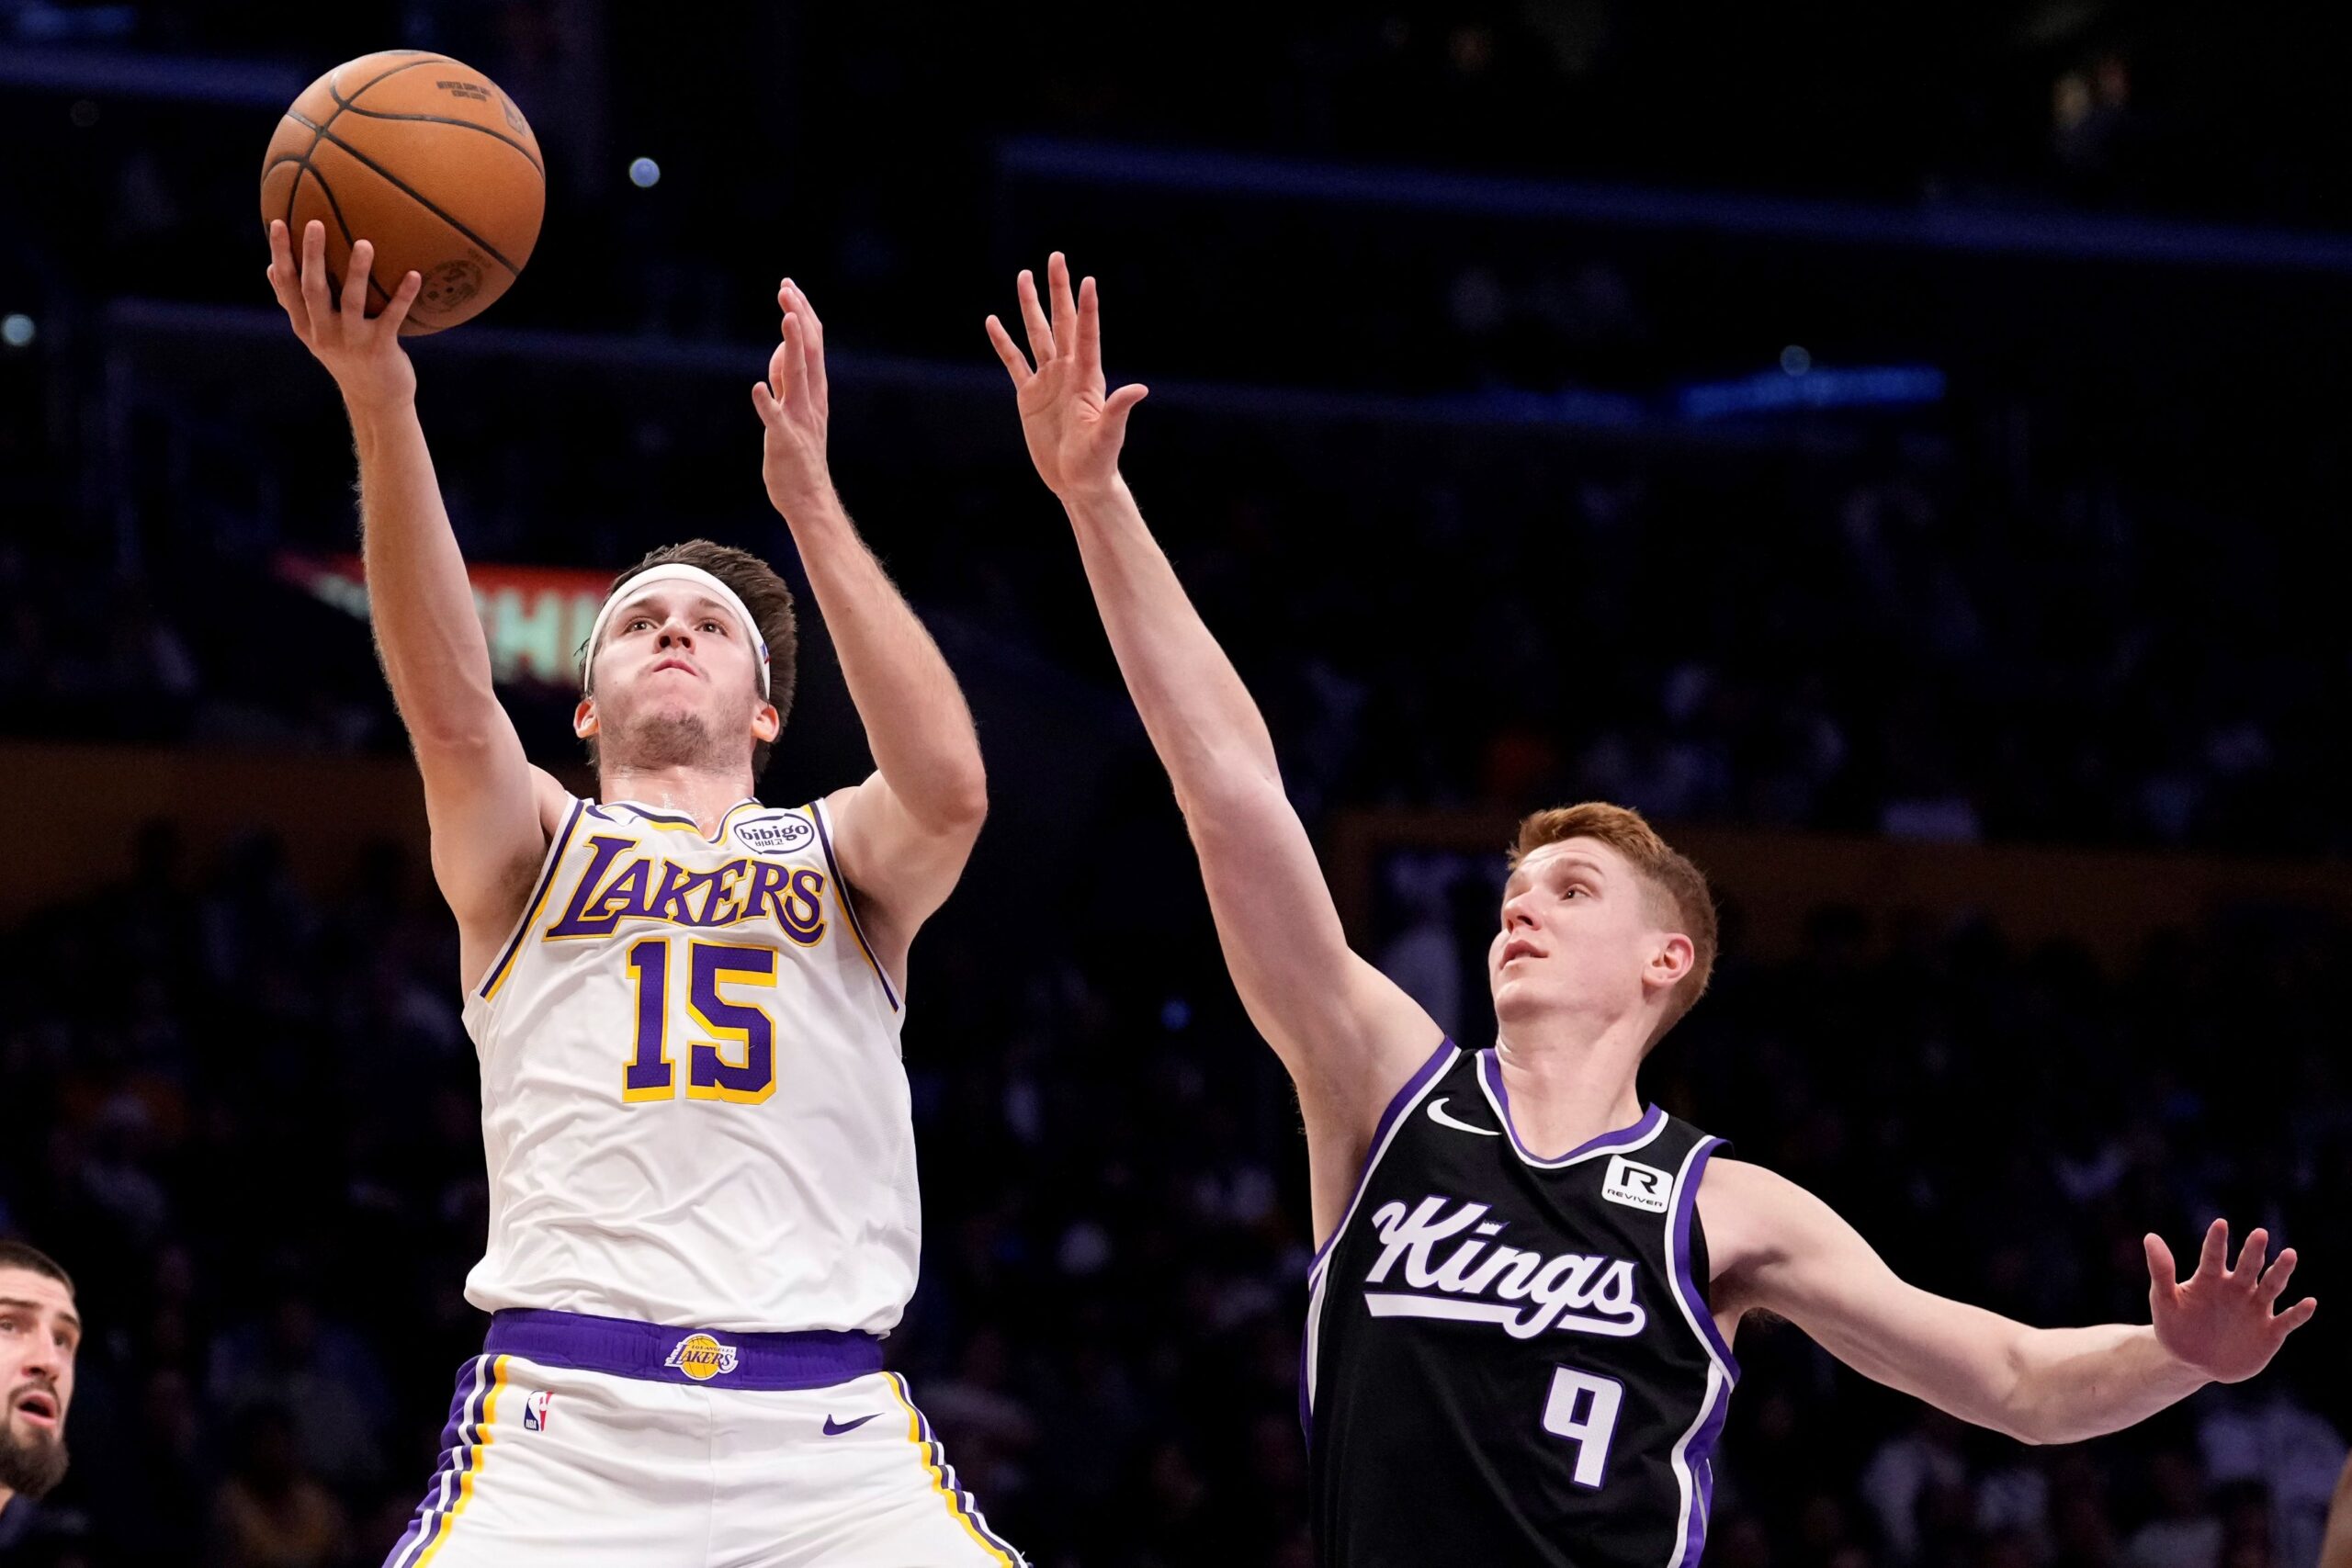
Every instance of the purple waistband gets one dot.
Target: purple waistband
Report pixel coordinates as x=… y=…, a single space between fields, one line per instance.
x=623 y=1347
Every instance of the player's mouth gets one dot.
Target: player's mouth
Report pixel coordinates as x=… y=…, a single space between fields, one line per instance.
x=1516 y=948
x=672 y=663
x=37 y=1407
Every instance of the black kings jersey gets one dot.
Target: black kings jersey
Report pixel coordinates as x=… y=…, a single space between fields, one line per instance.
x=1509 y=1361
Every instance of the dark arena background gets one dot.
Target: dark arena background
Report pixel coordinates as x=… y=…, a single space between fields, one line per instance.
x=1901 y=449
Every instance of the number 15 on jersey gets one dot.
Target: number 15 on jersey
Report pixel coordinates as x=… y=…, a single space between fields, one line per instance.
x=733 y=1058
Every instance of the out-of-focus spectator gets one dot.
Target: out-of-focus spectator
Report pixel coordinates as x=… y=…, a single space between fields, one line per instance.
x=269 y=1512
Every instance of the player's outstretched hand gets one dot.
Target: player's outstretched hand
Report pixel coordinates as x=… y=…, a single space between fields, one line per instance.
x=1073 y=430
x=794 y=406
x=362 y=353
x=2220 y=1319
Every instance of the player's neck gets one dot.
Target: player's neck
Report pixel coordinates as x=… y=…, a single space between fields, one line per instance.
x=1567 y=1084
x=701 y=794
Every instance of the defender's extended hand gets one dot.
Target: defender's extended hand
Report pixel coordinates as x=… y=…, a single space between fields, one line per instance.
x=794 y=404
x=2219 y=1320
x=363 y=355
x=1074 y=431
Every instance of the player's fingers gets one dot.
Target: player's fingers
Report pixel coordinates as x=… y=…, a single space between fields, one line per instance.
x=796 y=360
x=1090 y=329
x=355 y=281
x=395 y=310
x=1120 y=403
x=1032 y=319
x=815 y=329
x=281 y=276
x=764 y=403
x=2295 y=1317
x=2252 y=1256
x=2214 y=1256
x=2163 y=1274
x=1016 y=363
x=315 y=274
x=1065 y=304
x=2282 y=1268
x=778 y=364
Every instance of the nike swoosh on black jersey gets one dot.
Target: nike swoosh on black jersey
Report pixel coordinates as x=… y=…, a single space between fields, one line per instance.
x=1438 y=1115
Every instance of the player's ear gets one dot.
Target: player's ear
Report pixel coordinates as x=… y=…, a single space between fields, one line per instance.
x=1670 y=961
x=766 y=723
x=583 y=718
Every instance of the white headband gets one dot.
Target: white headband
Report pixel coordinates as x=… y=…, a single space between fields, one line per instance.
x=674 y=571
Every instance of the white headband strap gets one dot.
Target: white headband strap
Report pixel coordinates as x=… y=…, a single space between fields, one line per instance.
x=674 y=571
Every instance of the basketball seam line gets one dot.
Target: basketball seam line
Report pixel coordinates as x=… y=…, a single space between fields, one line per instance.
x=418 y=196
x=336 y=208
x=321 y=130
x=302 y=161
x=445 y=119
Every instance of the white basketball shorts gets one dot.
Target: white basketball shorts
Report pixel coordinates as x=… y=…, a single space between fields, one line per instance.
x=596 y=1442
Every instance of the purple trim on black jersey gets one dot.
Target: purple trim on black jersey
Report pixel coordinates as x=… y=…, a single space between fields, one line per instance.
x=1692 y=1289
x=1490 y=1073
x=538 y=897
x=1422 y=1077
x=1698 y=1458
x=623 y=1347
x=840 y=886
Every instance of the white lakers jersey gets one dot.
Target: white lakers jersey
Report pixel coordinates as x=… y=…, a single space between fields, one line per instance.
x=693 y=1102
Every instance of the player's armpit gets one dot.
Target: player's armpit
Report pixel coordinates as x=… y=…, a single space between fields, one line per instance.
x=1777 y=1247
x=900 y=868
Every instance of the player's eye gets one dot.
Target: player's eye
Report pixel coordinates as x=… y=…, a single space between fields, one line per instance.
x=640 y=621
x=714 y=627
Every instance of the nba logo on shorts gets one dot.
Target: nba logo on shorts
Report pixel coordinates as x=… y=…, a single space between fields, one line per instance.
x=535 y=1411
x=701 y=1358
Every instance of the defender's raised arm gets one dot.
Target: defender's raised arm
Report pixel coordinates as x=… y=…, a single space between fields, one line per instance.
x=481 y=795
x=1348 y=1035
x=906 y=831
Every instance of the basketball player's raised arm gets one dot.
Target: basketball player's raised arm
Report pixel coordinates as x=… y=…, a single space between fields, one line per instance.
x=904 y=834
x=486 y=802
x=1777 y=1248
x=1348 y=1035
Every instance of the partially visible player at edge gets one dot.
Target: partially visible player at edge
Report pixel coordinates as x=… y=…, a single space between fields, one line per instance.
x=686 y=1005
x=1522 y=1308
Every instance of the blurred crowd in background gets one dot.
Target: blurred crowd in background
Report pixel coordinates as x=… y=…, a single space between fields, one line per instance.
x=1439 y=465
x=260 y=1156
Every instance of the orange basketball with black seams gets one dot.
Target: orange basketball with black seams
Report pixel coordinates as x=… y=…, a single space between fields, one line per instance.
x=427 y=158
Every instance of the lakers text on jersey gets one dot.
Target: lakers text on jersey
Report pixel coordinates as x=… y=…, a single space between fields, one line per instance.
x=1511 y=1360
x=693 y=1102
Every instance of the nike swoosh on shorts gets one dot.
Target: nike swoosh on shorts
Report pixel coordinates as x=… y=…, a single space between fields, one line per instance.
x=833 y=1430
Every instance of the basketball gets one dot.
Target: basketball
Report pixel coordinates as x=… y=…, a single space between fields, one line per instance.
x=423 y=156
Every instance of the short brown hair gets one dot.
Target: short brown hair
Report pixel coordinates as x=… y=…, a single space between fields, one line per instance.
x=33 y=1260
x=764 y=593
x=1679 y=886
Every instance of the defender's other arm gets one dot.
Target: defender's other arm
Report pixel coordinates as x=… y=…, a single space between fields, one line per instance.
x=487 y=805
x=904 y=834
x=1348 y=1036
x=1784 y=1251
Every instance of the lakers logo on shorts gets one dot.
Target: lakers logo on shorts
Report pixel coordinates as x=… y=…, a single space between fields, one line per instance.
x=701 y=1358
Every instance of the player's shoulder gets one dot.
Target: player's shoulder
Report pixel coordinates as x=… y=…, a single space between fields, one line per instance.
x=1754 y=1215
